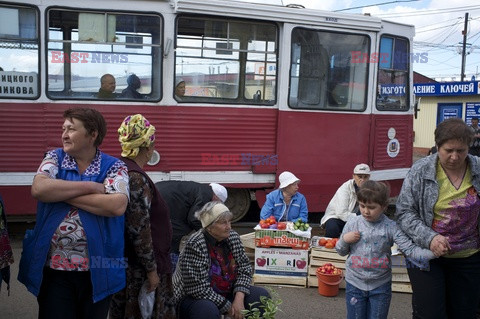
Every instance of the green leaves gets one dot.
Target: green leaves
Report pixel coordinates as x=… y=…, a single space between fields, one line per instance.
x=267 y=305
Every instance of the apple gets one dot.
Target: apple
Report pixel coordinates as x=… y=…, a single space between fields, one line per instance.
x=329 y=269
x=261 y=262
x=301 y=264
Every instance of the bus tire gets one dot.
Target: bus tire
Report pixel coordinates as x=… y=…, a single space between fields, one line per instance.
x=238 y=201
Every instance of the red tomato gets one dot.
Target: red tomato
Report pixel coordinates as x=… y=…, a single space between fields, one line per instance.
x=330 y=244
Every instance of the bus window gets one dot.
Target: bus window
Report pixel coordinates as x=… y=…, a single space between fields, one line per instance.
x=226 y=61
x=19 y=54
x=83 y=46
x=392 y=90
x=323 y=74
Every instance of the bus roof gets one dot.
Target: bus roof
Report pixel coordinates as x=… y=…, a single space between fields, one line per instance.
x=278 y=13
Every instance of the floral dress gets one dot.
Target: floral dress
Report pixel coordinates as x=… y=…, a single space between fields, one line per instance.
x=141 y=259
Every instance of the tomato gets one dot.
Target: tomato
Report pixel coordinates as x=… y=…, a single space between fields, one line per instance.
x=330 y=245
x=322 y=242
x=281 y=225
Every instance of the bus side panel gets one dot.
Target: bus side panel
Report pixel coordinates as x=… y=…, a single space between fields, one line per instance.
x=392 y=142
x=198 y=139
x=322 y=149
x=18 y=200
x=23 y=136
x=187 y=138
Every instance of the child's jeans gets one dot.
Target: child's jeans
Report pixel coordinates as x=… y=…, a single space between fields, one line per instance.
x=373 y=304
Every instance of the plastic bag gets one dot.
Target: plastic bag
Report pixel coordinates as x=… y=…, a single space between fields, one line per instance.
x=146 y=301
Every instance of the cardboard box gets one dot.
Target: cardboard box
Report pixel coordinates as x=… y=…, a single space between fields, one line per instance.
x=280 y=238
x=281 y=262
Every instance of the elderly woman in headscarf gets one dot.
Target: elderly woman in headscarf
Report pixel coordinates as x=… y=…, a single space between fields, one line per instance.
x=213 y=275
x=147 y=214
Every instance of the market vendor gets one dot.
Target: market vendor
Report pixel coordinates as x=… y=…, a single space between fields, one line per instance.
x=344 y=203
x=214 y=275
x=286 y=203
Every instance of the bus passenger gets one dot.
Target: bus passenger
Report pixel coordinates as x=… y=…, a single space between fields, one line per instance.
x=179 y=89
x=107 y=87
x=214 y=275
x=130 y=92
x=148 y=231
x=286 y=203
x=73 y=259
x=183 y=199
x=344 y=203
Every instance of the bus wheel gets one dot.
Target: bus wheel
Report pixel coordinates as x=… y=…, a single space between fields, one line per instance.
x=238 y=202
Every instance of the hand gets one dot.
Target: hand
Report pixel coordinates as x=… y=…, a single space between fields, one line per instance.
x=153 y=280
x=439 y=245
x=98 y=188
x=351 y=237
x=235 y=311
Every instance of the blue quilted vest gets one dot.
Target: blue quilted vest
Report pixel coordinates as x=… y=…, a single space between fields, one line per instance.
x=104 y=238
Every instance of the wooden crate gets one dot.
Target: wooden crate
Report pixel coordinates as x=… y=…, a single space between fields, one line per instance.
x=284 y=281
x=248 y=240
x=321 y=255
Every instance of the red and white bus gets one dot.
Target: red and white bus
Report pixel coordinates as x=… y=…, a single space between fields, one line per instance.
x=268 y=89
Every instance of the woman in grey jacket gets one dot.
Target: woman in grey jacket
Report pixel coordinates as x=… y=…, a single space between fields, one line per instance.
x=438 y=207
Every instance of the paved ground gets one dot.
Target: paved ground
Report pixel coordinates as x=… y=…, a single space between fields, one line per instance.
x=299 y=303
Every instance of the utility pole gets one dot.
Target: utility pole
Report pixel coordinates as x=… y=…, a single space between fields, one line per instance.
x=464 y=48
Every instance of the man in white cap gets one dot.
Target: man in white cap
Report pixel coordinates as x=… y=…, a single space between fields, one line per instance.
x=183 y=199
x=286 y=203
x=344 y=203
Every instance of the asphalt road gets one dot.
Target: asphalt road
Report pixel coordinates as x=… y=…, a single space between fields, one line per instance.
x=299 y=303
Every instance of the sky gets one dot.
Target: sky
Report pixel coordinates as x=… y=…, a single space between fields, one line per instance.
x=438 y=28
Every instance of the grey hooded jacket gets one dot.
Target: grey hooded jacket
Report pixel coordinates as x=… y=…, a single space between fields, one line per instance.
x=418 y=196
x=369 y=262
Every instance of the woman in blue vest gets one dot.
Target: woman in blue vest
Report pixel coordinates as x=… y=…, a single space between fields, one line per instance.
x=148 y=232
x=73 y=259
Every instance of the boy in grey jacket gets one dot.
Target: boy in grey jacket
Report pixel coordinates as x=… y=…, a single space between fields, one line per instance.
x=368 y=239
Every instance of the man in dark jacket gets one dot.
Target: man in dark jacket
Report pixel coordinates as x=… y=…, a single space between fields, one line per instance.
x=183 y=199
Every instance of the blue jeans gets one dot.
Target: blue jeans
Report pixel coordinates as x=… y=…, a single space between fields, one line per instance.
x=373 y=304
x=334 y=227
x=190 y=308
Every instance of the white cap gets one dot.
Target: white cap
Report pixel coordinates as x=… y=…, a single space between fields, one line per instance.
x=361 y=169
x=287 y=178
x=220 y=191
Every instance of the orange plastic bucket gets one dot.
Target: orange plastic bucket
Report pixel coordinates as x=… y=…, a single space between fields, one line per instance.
x=328 y=284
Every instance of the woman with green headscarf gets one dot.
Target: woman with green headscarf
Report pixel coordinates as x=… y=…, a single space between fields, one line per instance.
x=146 y=215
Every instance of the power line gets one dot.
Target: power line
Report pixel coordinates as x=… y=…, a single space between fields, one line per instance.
x=445 y=26
x=375 y=4
x=429 y=12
